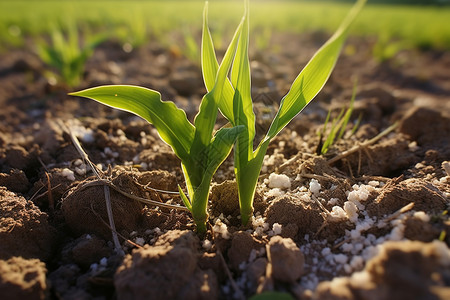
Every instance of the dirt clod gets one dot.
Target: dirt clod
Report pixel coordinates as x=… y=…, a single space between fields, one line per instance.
x=395 y=195
x=401 y=270
x=87 y=202
x=24 y=229
x=164 y=270
x=288 y=209
x=285 y=260
x=22 y=278
x=242 y=244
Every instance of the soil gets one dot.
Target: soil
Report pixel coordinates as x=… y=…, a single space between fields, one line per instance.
x=371 y=224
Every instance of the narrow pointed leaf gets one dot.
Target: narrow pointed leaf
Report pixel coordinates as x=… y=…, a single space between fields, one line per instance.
x=221 y=145
x=242 y=101
x=210 y=67
x=314 y=76
x=170 y=121
x=208 y=55
x=206 y=117
x=184 y=198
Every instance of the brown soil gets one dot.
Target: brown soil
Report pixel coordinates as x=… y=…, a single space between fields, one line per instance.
x=341 y=230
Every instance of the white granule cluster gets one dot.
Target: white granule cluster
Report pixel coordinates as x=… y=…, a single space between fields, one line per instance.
x=351 y=210
x=259 y=225
x=314 y=186
x=358 y=245
x=207 y=245
x=340 y=258
x=361 y=246
x=121 y=134
x=276 y=228
x=304 y=197
x=333 y=201
x=422 y=216
x=104 y=262
x=221 y=229
x=80 y=167
x=221 y=218
x=144 y=139
x=360 y=193
x=68 y=174
x=413 y=146
x=279 y=181
x=99 y=267
x=276 y=192
x=140 y=241
x=86 y=135
x=109 y=153
x=397 y=233
x=338 y=213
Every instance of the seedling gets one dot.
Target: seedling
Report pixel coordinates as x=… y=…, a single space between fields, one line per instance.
x=134 y=33
x=66 y=55
x=200 y=151
x=338 y=127
x=236 y=103
x=191 y=49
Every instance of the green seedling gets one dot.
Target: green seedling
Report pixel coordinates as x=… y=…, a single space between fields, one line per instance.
x=387 y=47
x=134 y=33
x=191 y=49
x=201 y=152
x=338 y=127
x=236 y=103
x=66 y=55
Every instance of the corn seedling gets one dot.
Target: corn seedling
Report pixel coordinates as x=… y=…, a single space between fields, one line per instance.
x=338 y=127
x=236 y=103
x=200 y=151
x=134 y=33
x=66 y=55
x=386 y=47
x=191 y=50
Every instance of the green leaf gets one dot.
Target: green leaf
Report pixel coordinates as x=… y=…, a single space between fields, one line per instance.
x=348 y=114
x=170 y=121
x=242 y=101
x=184 y=198
x=208 y=55
x=272 y=296
x=206 y=117
x=221 y=145
x=313 y=77
x=210 y=67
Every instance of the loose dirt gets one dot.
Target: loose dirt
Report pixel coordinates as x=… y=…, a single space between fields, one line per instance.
x=372 y=224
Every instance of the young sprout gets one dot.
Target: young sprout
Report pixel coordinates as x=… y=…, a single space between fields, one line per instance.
x=338 y=127
x=66 y=55
x=236 y=102
x=201 y=152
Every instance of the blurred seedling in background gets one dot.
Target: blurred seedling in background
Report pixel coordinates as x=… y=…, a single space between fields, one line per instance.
x=191 y=49
x=338 y=127
x=66 y=54
x=134 y=33
x=386 y=47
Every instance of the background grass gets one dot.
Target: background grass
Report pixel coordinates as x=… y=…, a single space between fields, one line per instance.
x=415 y=26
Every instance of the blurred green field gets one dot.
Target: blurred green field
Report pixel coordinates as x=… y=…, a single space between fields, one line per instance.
x=424 y=27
